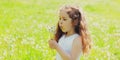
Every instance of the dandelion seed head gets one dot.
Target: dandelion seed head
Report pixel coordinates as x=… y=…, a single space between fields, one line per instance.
x=51 y=29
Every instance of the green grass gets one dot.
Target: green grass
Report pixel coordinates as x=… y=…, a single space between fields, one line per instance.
x=24 y=28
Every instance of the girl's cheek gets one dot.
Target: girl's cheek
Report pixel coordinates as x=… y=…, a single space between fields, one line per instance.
x=59 y=24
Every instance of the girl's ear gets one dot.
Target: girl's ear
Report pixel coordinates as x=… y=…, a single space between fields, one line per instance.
x=75 y=22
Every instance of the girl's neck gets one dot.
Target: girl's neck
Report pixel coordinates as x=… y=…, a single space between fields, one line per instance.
x=70 y=33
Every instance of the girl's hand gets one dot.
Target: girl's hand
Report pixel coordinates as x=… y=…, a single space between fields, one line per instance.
x=52 y=44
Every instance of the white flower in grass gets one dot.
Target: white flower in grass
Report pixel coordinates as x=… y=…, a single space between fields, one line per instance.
x=6 y=39
x=12 y=52
x=108 y=55
x=31 y=40
x=37 y=46
x=1 y=57
x=0 y=43
x=12 y=46
x=40 y=25
x=5 y=53
x=24 y=41
x=95 y=24
x=28 y=52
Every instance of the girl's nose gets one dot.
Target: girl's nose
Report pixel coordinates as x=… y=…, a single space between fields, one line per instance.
x=61 y=22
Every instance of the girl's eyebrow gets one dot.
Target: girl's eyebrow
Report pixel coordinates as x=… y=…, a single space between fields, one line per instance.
x=63 y=17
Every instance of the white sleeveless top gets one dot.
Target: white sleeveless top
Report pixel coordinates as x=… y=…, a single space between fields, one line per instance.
x=66 y=44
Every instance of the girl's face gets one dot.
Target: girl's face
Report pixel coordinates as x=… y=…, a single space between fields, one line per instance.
x=65 y=22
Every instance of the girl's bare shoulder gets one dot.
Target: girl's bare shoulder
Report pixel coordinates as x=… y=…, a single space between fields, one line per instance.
x=77 y=40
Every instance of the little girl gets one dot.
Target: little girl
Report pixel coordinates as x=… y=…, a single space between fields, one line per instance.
x=71 y=37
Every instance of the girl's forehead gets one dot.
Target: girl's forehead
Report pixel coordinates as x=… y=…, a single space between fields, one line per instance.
x=63 y=14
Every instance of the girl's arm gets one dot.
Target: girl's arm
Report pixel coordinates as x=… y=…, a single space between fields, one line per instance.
x=75 y=51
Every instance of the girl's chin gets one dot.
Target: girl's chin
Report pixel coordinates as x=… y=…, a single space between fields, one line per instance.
x=63 y=31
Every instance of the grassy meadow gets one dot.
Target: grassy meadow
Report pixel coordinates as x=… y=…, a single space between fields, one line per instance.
x=25 y=28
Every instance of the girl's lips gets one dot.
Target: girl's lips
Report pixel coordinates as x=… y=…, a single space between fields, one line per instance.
x=61 y=27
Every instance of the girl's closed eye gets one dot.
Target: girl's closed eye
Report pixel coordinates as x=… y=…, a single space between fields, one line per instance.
x=64 y=19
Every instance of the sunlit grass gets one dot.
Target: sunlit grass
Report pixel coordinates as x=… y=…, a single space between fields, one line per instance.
x=24 y=28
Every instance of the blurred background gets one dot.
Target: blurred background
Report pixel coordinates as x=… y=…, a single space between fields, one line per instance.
x=27 y=25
